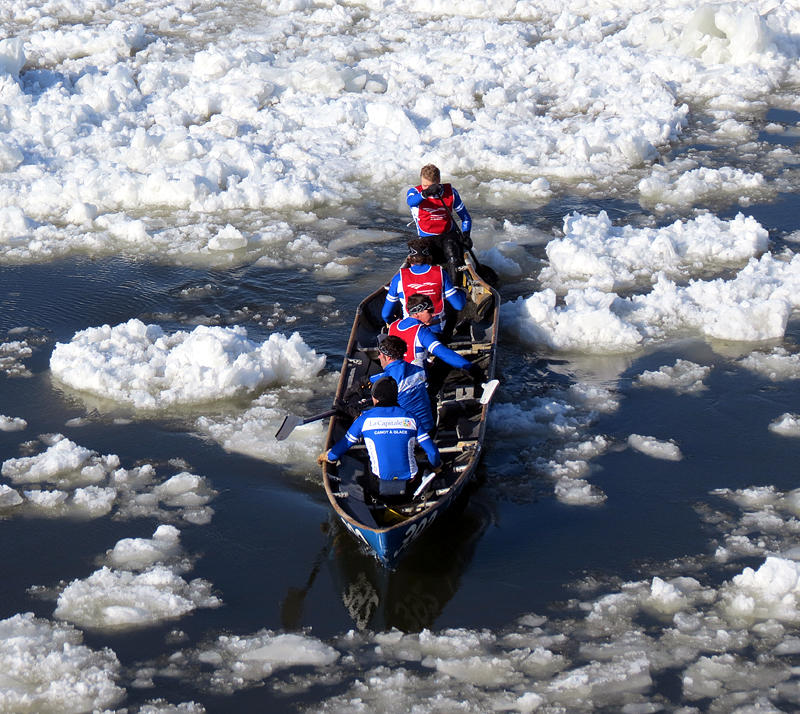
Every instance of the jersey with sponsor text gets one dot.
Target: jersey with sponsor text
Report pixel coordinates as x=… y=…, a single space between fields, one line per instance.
x=412 y=390
x=390 y=435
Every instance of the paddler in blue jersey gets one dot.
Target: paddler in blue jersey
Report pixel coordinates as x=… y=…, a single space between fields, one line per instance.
x=390 y=434
x=422 y=342
x=432 y=204
x=422 y=277
x=412 y=382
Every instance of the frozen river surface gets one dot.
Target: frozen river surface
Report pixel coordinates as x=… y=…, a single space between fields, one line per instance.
x=194 y=198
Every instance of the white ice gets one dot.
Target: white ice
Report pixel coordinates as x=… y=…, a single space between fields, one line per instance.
x=62 y=462
x=238 y=662
x=684 y=377
x=754 y=306
x=595 y=253
x=705 y=628
x=518 y=431
x=787 y=424
x=12 y=354
x=46 y=668
x=777 y=364
x=140 y=553
x=116 y=597
x=142 y=366
x=253 y=433
x=193 y=135
x=658 y=449
x=12 y=423
x=69 y=479
x=111 y=123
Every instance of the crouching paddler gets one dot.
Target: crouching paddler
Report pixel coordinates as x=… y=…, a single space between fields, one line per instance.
x=390 y=434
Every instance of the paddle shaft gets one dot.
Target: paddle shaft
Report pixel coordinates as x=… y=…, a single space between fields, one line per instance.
x=458 y=229
x=291 y=422
x=317 y=417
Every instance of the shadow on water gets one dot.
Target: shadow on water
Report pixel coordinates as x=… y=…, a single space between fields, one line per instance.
x=413 y=595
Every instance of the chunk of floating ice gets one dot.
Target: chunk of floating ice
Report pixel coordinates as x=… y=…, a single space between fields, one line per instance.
x=140 y=365
x=683 y=377
x=46 y=668
x=12 y=423
x=113 y=600
x=651 y=446
x=786 y=425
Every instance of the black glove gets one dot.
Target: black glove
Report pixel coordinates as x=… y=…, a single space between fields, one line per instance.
x=478 y=378
x=351 y=409
x=467 y=240
x=477 y=373
x=432 y=190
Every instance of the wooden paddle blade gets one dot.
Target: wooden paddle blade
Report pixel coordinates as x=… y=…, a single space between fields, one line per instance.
x=290 y=423
x=488 y=391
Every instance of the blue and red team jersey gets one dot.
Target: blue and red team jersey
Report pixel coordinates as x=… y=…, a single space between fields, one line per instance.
x=431 y=217
x=421 y=341
x=428 y=280
x=390 y=435
x=412 y=390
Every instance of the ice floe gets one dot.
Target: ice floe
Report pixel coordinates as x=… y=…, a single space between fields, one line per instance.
x=141 y=366
x=68 y=479
x=684 y=377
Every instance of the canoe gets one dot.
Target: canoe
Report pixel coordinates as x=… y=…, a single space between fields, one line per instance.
x=387 y=532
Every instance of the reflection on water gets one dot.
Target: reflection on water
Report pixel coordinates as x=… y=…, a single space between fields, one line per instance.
x=413 y=595
x=293 y=604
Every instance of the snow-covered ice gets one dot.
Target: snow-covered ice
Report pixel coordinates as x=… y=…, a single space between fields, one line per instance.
x=684 y=377
x=139 y=365
x=12 y=423
x=299 y=107
x=72 y=480
x=45 y=667
x=117 y=597
x=656 y=448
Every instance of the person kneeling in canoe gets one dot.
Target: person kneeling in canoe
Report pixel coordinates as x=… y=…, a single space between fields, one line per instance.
x=421 y=341
x=390 y=434
x=412 y=382
x=422 y=277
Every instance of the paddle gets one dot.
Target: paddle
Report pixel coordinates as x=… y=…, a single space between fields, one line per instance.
x=292 y=421
x=488 y=390
x=484 y=271
x=426 y=479
x=292 y=608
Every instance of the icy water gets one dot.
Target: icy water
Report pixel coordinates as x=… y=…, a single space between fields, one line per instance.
x=181 y=171
x=271 y=551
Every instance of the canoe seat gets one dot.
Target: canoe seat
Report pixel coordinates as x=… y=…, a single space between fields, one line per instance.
x=468 y=429
x=449 y=412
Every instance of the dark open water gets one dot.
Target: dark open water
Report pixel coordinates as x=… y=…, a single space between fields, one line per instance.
x=271 y=552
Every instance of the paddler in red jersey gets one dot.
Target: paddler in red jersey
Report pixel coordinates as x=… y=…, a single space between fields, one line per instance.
x=432 y=206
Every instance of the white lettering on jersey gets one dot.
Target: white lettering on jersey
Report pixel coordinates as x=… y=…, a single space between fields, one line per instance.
x=373 y=423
